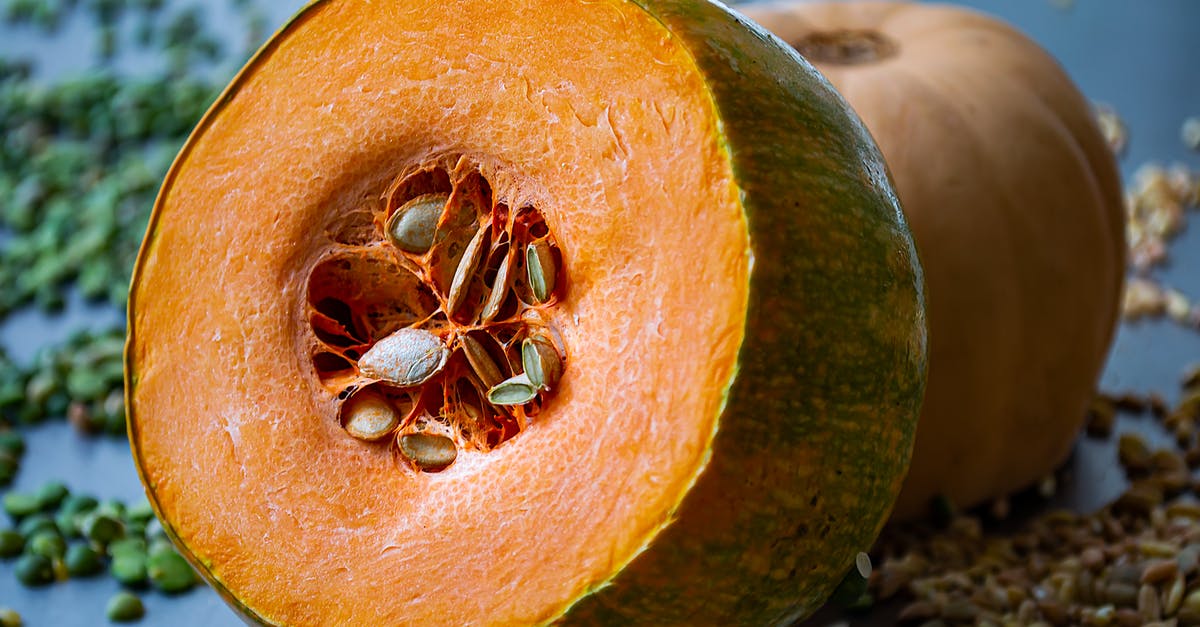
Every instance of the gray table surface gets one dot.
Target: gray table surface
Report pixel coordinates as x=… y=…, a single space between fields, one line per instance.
x=1141 y=57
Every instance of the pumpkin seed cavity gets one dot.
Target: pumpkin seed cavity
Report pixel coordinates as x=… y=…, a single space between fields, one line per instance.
x=434 y=335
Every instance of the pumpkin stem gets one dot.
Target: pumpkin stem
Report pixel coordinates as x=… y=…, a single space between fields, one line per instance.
x=846 y=47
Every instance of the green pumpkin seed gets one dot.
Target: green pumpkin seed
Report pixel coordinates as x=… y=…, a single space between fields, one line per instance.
x=124 y=607
x=406 y=358
x=515 y=391
x=12 y=542
x=37 y=523
x=369 y=416
x=466 y=269
x=495 y=299
x=101 y=528
x=429 y=452
x=51 y=494
x=541 y=362
x=413 y=227
x=12 y=443
x=34 y=570
x=129 y=568
x=541 y=269
x=48 y=544
x=10 y=617
x=481 y=362
x=82 y=560
x=19 y=505
x=170 y=573
x=140 y=511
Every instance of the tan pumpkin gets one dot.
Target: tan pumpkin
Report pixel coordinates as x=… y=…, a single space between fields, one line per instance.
x=1015 y=204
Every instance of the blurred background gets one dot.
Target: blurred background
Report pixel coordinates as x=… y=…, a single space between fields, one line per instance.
x=97 y=95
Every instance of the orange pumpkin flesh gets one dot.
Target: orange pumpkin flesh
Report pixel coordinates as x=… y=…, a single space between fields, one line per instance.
x=605 y=118
x=1015 y=205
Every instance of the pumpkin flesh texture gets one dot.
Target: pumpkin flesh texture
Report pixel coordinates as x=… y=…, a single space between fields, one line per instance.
x=659 y=215
x=1015 y=204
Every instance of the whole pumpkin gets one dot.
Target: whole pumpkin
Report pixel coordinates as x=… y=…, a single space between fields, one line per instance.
x=1015 y=205
x=474 y=312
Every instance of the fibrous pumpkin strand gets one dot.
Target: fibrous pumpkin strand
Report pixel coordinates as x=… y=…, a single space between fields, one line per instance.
x=492 y=270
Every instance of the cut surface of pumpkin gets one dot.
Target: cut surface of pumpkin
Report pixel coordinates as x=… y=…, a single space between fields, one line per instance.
x=507 y=313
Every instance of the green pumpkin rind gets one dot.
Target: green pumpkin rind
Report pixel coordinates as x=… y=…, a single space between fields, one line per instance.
x=815 y=436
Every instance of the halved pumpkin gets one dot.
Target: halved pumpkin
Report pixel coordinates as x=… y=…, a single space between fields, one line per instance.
x=602 y=312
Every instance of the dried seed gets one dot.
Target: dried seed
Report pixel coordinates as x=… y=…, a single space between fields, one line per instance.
x=541 y=362
x=1133 y=452
x=1148 y=606
x=491 y=308
x=427 y=451
x=124 y=607
x=1173 y=596
x=517 y=390
x=369 y=416
x=413 y=227
x=481 y=362
x=1159 y=571
x=466 y=269
x=406 y=358
x=1121 y=594
x=541 y=268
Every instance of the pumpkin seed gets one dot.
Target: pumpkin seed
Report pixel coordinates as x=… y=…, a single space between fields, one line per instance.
x=129 y=568
x=541 y=268
x=466 y=269
x=428 y=451
x=170 y=572
x=124 y=607
x=369 y=416
x=481 y=362
x=12 y=542
x=406 y=358
x=413 y=227
x=10 y=617
x=34 y=570
x=48 y=544
x=82 y=560
x=495 y=300
x=541 y=362
x=517 y=390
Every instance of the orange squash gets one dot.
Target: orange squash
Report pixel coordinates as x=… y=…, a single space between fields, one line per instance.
x=459 y=313
x=1015 y=205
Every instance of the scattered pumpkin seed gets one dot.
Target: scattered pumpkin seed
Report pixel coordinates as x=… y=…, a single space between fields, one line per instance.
x=19 y=505
x=541 y=362
x=51 y=494
x=516 y=390
x=10 y=617
x=124 y=607
x=48 y=544
x=428 y=451
x=541 y=268
x=129 y=568
x=413 y=227
x=101 y=528
x=34 y=570
x=369 y=416
x=82 y=560
x=481 y=362
x=12 y=542
x=170 y=572
x=406 y=358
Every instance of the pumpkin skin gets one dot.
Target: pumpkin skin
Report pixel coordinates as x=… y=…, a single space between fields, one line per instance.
x=741 y=379
x=1015 y=204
